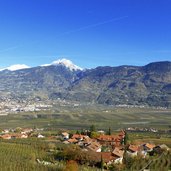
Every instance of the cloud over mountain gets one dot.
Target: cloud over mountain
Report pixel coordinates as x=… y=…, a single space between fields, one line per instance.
x=15 y=67
x=63 y=62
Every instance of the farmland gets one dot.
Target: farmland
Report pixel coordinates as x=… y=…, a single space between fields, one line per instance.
x=32 y=153
x=82 y=117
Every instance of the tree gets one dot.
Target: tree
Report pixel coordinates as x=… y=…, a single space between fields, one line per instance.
x=71 y=166
x=18 y=129
x=92 y=128
x=109 y=131
x=126 y=138
x=101 y=163
x=94 y=134
x=77 y=132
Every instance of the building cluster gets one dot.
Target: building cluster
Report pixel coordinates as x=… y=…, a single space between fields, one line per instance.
x=137 y=129
x=8 y=107
x=111 y=148
x=19 y=133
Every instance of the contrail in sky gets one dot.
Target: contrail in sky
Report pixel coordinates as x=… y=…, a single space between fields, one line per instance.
x=94 y=25
x=74 y=31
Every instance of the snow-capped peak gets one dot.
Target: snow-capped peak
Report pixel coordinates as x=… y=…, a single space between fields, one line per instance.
x=65 y=62
x=15 y=67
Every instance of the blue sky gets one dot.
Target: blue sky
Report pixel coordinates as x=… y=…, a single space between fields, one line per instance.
x=88 y=32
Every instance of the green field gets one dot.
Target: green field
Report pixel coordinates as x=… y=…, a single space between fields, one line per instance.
x=78 y=118
x=84 y=116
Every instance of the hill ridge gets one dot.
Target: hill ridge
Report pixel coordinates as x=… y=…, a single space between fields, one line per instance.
x=130 y=85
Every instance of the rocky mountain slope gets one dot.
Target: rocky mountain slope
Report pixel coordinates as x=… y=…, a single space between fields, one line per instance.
x=130 y=85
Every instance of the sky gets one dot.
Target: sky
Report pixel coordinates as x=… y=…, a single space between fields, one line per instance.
x=90 y=33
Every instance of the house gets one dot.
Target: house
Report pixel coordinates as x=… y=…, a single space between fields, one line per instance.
x=5 y=131
x=40 y=136
x=21 y=136
x=87 y=141
x=118 y=141
x=79 y=137
x=94 y=146
x=73 y=141
x=112 y=139
x=107 y=157
x=24 y=136
x=145 y=149
x=133 y=150
x=18 y=135
x=148 y=147
x=6 y=136
x=26 y=130
x=101 y=132
x=118 y=154
x=108 y=139
x=65 y=135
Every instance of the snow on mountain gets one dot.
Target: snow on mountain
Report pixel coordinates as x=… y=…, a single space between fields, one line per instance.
x=65 y=62
x=15 y=67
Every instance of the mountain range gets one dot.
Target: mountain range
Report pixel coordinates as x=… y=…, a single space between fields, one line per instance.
x=148 y=85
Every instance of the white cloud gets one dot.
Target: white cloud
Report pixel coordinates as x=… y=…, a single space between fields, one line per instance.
x=15 y=67
x=64 y=62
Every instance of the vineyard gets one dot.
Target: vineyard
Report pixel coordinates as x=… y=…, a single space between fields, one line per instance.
x=23 y=155
x=154 y=163
x=34 y=154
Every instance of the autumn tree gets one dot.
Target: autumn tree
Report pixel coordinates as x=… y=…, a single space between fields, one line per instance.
x=71 y=166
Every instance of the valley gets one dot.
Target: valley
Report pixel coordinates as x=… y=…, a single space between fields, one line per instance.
x=80 y=117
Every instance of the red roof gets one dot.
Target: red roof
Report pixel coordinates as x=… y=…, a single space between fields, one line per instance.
x=79 y=136
x=106 y=156
x=6 y=136
x=133 y=148
x=118 y=152
x=94 y=146
x=107 y=137
x=150 y=146
x=122 y=133
x=72 y=140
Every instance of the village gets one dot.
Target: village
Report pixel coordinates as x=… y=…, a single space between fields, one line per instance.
x=13 y=107
x=99 y=145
